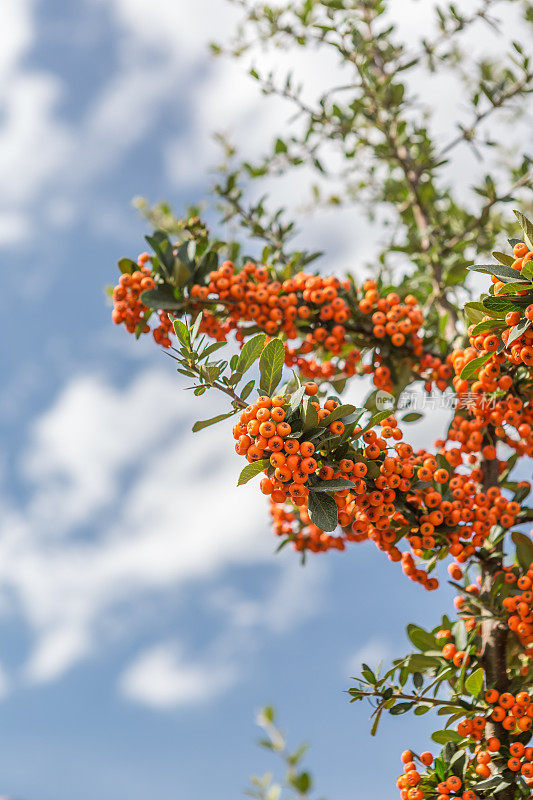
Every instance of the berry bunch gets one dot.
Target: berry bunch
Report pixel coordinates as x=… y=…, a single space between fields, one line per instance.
x=439 y=512
x=519 y=606
x=127 y=306
x=332 y=319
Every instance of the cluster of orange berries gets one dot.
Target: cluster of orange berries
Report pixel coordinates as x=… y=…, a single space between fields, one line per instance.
x=391 y=318
x=130 y=310
x=470 y=511
x=520 y=608
x=250 y=295
x=295 y=525
x=311 y=368
x=408 y=783
x=502 y=414
x=373 y=508
x=520 y=757
x=400 y=323
x=317 y=309
x=127 y=307
x=520 y=351
x=513 y=712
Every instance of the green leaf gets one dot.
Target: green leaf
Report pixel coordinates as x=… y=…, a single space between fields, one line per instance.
x=127 y=266
x=421 y=638
x=251 y=470
x=500 y=271
x=527 y=270
x=333 y=485
x=400 y=708
x=271 y=365
x=418 y=680
x=301 y=782
x=412 y=416
x=162 y=297
x=323 y=510
x=310 y=416
x=181 y=273
x=527 y=227
x=488 y=325
x=501 y=305
x=205 y=423
x=296 y=399
x=489 y=783
x=422 y=662
x=514 y=288
x=196 y=327
x=250 y=352
x=443 y=737
x=182 y=332
x=460 y=634
x=516 y=332
x=470 y=369
x=376 y=722
x=247 y=389
x=474 y=682
x=475 y=311
x=160 y=244
x=504 y=258
x=338 y=413
x=524 y=549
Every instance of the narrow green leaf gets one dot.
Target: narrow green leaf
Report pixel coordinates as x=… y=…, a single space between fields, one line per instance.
x=470 y=369
x=182 y=332
x=247 y=389
x=500 y=271
x=443 y=737
x=296 y=399
x=251 y=470
x=504 y=258
x=310 y=416
x=518 y=330
x=488 y=325
x=412 y=416
x=527 y=227
x=333 y=485
x=340 y=412
x=271 y=365
x=514 y=288
x=250 y=352
x=205 y=423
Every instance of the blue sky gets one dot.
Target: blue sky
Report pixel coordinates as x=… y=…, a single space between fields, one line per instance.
x=143 y=616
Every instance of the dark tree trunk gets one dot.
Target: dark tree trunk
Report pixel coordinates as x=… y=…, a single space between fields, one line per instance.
x=494 y=633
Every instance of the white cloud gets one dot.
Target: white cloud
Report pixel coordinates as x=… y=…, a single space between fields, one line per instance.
x=163 y=677
x=124 y=502
x=4 y=683
x=56 y=651
x=371 y=652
